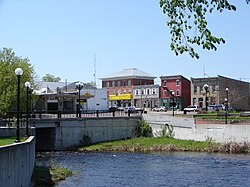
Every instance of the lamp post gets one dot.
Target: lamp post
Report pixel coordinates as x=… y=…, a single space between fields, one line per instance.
x=79 y=86
x=226 y=106
x=19 y=73
x=27 y=85
x=31 y=105
x=173 y=103
x=206 y=99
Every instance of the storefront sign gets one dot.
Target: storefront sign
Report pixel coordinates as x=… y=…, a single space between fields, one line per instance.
x=120 y=97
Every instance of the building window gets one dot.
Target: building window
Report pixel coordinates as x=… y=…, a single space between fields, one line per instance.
x=177 y=92
x=119 y=83
x=165 y=92
x=113 y=92
x=165 y=83
x=119 y=92
x=194 y=101
x=129 y=90
x=195 y=89
x=136 y=92
x=177 y=82
x=154 y=91
x=142 y=92
x=124 y=83
x=129 y=83
x=148 y=91
x=113 y=84
x=107 y=84
x=200 y=89
x=124 y=91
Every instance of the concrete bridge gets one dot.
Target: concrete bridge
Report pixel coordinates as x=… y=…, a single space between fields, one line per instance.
x=65 y=133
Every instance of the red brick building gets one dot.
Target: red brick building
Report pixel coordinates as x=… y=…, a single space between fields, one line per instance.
x=181 y=88
x=120 y=86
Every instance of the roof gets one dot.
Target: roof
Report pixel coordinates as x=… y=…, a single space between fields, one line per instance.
x=48 y=87
x=129 y=73
x=51 y=87
x=174 y=77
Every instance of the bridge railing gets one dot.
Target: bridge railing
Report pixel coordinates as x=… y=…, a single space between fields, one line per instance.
x=10 y=119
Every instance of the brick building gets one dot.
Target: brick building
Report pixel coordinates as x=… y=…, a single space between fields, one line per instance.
x=238 y=92
x=120 y=86
x=181 y=88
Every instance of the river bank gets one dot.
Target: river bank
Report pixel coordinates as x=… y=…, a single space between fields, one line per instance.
x=166 y=144
x=49 y=175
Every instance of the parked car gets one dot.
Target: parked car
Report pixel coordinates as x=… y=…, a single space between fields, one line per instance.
x=159 y=109
x=112 y=109
x=216 y=107
x=192 y=108
x=132 y=109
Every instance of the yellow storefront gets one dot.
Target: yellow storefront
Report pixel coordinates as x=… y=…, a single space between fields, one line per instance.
x=121 y=100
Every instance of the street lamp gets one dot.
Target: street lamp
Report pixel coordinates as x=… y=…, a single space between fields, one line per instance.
x=19 y=73
x=226 y=106
x=27 y=85
x=206 y=99
x=31 y=105
x=173 y=103
x=79 y=86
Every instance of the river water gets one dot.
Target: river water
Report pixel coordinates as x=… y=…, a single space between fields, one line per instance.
x=154 y=169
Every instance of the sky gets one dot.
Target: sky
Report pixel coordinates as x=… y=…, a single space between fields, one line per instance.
x=73 y=39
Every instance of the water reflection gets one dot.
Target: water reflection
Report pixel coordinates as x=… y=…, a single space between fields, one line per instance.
x=158 y=169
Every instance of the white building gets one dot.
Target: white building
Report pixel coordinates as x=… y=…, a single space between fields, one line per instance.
x=99 y=101
x=58 y=96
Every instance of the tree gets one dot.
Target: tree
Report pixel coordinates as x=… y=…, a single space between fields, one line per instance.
x=90 y=85
x=188 y=24
x=51 y=78
x=8 y=84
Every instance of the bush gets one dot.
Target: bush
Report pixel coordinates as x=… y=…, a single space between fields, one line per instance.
x=143 y=129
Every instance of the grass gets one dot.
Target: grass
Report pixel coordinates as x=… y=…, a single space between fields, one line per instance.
x=234 y=116
x=9 y=140
x=49 y=176
x=166 y=144
x=143 y=144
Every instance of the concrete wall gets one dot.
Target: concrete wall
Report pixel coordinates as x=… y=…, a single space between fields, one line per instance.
x=219 y=133
x=65 y=133
x=161 y=118
x=185 y=128
x=17 y=162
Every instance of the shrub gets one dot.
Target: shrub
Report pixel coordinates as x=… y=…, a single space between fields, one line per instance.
x=143 y=129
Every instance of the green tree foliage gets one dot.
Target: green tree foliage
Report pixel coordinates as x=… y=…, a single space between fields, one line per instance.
x=188 y=24
x=51 y=78
x=8 y=80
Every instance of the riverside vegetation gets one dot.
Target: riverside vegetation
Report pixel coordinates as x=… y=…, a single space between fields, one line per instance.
x=49 y=176
x=144 y=142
